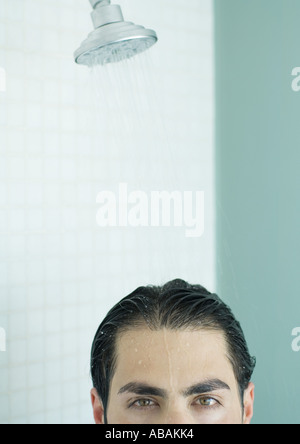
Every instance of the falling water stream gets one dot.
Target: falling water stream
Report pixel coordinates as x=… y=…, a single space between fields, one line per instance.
x=131 y=112
x=130 y=106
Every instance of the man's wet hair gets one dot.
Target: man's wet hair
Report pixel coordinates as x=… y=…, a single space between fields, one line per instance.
x=176 y=305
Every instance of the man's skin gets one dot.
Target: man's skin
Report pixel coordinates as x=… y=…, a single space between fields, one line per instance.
x=174 y=377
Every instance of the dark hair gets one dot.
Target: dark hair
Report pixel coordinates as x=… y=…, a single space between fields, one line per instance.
x=175 y=306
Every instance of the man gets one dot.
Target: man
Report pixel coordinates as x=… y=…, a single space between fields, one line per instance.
x=171 y=355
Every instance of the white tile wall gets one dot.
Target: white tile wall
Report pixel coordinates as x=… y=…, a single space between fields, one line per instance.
x=59 y=272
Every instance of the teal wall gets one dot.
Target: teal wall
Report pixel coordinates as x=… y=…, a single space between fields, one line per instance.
x=258 y=190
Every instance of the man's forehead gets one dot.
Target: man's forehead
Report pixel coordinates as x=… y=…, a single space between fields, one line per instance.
x=185 y=338
x=165 y=358
x=183 y=348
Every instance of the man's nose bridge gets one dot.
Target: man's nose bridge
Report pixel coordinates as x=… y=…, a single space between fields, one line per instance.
x=177 y=415
x=177 y=419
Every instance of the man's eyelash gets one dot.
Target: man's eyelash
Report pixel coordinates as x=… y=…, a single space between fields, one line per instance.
x=216 y=403
x=132 y=405
x=208 y=398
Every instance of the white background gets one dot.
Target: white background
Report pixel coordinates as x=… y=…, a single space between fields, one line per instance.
x=59 y=271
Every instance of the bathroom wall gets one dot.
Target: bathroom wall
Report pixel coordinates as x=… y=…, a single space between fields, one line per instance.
x=258 y=183
x=59 y=270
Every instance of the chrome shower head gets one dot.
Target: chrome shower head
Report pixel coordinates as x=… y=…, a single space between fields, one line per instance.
x=113 y=39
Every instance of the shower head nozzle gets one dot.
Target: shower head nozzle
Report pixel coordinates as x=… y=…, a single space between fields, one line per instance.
x=113 y=39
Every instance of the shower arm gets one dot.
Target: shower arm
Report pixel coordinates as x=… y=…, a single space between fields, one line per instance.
x=105 y=13
x=96 y=3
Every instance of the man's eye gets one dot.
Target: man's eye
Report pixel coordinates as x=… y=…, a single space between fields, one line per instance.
x=206 y=402
x=143 y=403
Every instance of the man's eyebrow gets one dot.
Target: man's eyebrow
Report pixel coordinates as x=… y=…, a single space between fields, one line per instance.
x=210 y=385
x=141 y=389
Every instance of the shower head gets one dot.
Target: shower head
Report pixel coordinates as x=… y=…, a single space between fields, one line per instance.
x=113 y=39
